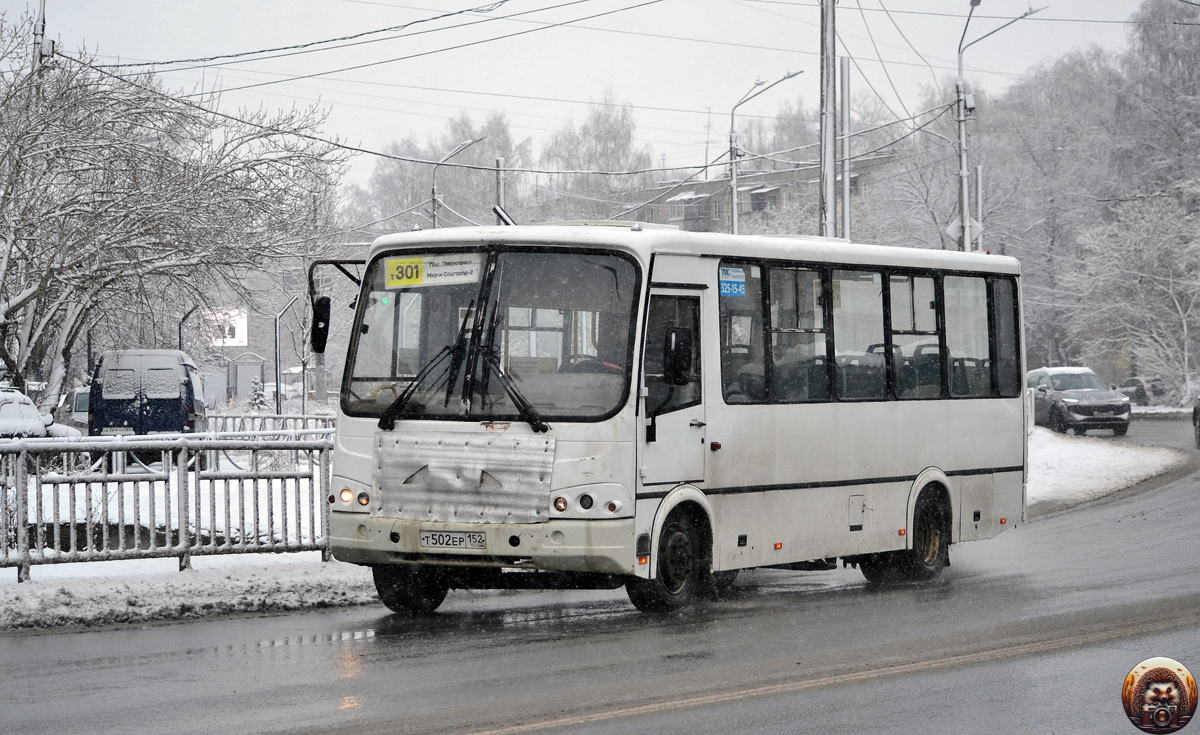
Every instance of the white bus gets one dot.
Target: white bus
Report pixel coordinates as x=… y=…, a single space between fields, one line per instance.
x=591 y=406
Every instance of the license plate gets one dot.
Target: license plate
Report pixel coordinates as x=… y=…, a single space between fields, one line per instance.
x=1104 y=414
x=453 y=540
x=116 y=431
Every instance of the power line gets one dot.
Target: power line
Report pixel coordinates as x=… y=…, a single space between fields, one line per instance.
x=886 y=74
x=368 y=151
x=958 y=16
x=867 y=79
x=448 y=48
x=204 y=59
x=490 y=19
x=910 y=44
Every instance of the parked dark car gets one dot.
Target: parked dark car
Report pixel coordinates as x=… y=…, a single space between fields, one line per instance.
x=145 y=392
x=1140 y=390
x=1076 y=398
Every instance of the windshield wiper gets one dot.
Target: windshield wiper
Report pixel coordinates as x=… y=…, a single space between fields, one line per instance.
x=524 y=407
x=491 y=363
x=387 y=421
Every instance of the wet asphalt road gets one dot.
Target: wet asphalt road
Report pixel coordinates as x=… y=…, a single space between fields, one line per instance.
x=1031 y=632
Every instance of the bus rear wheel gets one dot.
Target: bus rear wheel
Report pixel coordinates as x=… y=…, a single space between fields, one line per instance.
x=410 y=588
x=682 y=566
x=930 y=552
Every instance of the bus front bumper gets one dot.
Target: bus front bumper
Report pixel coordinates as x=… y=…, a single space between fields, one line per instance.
x=599 y=546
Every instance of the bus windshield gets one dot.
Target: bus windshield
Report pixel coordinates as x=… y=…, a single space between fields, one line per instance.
x=558 y=323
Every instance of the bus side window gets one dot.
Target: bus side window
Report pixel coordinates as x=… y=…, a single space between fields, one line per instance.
x=967 y=336
x=743 y=373
x=916 y=346
x=798 y=352
x=858 y=334
x=1008 y=340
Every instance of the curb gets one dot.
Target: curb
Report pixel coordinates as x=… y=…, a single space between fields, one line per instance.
x=1182 y=414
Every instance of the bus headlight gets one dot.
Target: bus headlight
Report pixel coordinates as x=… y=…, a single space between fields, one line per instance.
x=347 y=495
x=560 y=504
x=364 y=499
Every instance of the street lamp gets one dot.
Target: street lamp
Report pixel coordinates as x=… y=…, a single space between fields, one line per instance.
x=750 y=94
x=964 y=105
x=457 y=149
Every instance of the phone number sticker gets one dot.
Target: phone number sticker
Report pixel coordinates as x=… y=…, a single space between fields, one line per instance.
x=732 y=281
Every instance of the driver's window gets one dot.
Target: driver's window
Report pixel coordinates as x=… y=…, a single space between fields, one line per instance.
x=666 y=312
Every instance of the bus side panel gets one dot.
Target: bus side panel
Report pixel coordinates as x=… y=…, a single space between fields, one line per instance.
x=807 y=523
x=802 y=472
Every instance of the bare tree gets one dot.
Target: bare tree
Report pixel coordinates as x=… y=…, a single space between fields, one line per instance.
x=113 y=194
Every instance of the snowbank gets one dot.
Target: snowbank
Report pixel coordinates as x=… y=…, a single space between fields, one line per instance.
x=1064 y=470
x=1068 y=470
x=141 y=591
x=1161 y=412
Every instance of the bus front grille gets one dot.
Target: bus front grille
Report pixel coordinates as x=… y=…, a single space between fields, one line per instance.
x=463 y=477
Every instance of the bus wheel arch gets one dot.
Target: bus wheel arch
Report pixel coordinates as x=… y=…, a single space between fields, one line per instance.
x=681 y=554
x=934 y=481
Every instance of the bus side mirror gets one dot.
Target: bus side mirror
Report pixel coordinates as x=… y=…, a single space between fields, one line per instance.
x=677 y=356
x=320 y=327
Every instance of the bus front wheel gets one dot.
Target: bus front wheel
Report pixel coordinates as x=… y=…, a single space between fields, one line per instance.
x=410 y=588
x=681 y=568
x=930 y=552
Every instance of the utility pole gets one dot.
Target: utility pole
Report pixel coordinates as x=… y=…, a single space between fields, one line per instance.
x=499 y=188
x=828 y=178
x=845 y=132
x=39 y=38
x=707 y=138
x=979 y=206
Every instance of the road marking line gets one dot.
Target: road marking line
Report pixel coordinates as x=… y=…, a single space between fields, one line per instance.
x=916 y=667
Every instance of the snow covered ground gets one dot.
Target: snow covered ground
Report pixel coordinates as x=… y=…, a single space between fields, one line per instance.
x=1064 y=470
x=1161 y=412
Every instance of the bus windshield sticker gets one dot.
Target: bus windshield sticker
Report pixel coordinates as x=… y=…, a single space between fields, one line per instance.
x=732 y=281
x=433 y=270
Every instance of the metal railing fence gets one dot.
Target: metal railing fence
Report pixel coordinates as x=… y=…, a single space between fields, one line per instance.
x=104 y=498
x=238 y=422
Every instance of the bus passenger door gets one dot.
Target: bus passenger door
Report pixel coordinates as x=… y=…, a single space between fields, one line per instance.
x=673 y=414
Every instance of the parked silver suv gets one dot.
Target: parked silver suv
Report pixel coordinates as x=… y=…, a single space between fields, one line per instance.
x=1076 y=398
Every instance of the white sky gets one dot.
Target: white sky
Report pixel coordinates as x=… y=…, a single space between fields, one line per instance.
x=686 y=55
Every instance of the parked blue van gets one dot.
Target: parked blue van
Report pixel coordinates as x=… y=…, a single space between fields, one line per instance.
x=145 y=392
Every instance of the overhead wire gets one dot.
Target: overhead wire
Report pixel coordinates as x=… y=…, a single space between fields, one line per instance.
x=204 y=59
x=959 y=16
x=910 y=43
x=447 y=48
x=489 y=19
x=879 y=56
x=360 y=149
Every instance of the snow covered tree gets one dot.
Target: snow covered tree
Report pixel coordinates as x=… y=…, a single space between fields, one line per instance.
x=114 y=195
x=1141 y=288
x=257 y=402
